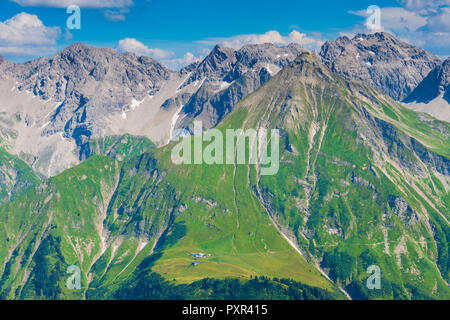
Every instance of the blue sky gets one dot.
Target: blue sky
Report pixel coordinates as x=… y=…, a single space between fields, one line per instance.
x=179 y=31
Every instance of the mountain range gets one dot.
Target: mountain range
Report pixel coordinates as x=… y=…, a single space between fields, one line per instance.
x=391 y=65
x=87 y=177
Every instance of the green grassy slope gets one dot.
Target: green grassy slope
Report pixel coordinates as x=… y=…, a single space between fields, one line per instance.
x=138 y=210
x=15 y=177
x=121 y=147
x=362 y=181
x=55 y=225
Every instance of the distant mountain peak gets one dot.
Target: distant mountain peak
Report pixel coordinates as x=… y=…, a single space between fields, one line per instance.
x=437 y=83
x=217 y=48
x=307 y=57
x=389 y=64
x=89 y=84
x=308 y=62
x=80 y=50
x=383 y=35
x=217 y=63
x=80 y=47
x=227 y=76
x=219 y=51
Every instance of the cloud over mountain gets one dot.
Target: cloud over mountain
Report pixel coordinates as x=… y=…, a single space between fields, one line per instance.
x=167 y=57
x=138 y=48
x=26 y=34
x=423 y=23
x=271 y=36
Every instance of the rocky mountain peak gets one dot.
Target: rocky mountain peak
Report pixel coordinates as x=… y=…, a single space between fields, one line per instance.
x=220 y=51
x=307 y=58
x=81 y=48
x=437 y=83
x=378 y=36
x=80 y=68
x=250 y=55
x=88 y=84
x=217 y=63
x=309 y=66
x=391 y=65
x=227 y=76
x=217 y=56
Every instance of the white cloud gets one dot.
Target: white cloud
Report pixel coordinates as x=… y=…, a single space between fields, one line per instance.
x=439 y=22
x=424 y=7
x=25 y=34
x=138 y=48
x=116 y=15
x=395 y=18
x=178 y=63
x=272 y=36
x=189 y=58
x=166 y=57
x=80 y=3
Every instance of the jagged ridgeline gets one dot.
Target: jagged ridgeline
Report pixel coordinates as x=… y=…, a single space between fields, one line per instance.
x=53 y=109
x=362 y=181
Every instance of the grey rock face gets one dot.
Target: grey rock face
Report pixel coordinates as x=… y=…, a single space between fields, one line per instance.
x=214 y=66
x=401 y=208
x=189 y=68
x=176 y=101
x=15 y=177
x=406 y=149
x=435 y=84
x=393 y=66
x=78 y=65
x=88 y=83
x=227 y=76
x=5 y=65
x=86 y=93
